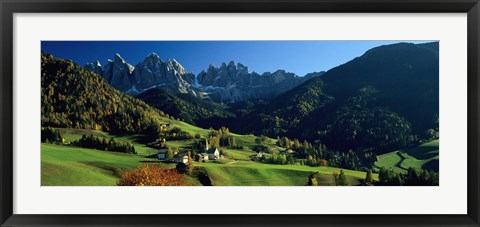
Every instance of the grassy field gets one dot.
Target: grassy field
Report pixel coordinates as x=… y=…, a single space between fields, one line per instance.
x=248 y=141
x=69 y=166
x=70 y=135
x=73 y=166
x=247 y=173
x=238 y=154
x=189 y=128
x=63 y=165
x=66 y=165
x=424 y=156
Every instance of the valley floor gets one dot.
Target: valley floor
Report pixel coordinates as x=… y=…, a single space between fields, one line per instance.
x=63 y=165
x=67 y=166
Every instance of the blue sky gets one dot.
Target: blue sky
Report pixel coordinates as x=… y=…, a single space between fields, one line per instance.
x=299 y=57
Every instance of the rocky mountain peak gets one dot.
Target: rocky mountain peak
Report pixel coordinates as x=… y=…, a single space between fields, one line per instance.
x=169 y=75
x=240 y=66
x=118 y=73
x=95 y=67
x=120 y=62
x=119 y=58
x=154 y=56
x=232 y=64
x=234 y=82
x=151 y=62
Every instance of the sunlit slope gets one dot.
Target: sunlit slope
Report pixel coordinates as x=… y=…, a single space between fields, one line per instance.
x=244 y=173
x=64 y=165
x=424 y=156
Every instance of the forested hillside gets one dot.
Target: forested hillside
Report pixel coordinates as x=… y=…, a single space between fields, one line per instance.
x=382 y=100
x=73 y=97
x=186 y=107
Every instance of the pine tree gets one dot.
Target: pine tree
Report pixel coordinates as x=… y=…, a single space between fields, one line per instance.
x=342 y=180
x=368 y=178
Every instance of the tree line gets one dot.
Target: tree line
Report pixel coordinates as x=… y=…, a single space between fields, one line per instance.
x=93 y=142
x=318 y=154
x=50 y=135
x=413 y=177
x=338 y=179
x=222 y=138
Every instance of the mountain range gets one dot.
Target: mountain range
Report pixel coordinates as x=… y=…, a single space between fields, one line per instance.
x=228 y=83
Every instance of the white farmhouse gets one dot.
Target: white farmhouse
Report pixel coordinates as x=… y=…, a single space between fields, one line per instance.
x=181 y=158
x=202 y=156
x=213 y=153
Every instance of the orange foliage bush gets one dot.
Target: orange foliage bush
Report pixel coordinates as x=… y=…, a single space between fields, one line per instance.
x=152 y=175
x=323 y=162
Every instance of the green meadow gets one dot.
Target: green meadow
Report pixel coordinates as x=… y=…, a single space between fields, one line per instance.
x=245 y=173
x=424 y=156
x=64 y=165
x=69 y=165
x=71 y=135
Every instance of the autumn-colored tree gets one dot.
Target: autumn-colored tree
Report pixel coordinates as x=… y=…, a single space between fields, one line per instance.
x=335 y=178
x=323 y=162
x=152 y=175
x=312 y=181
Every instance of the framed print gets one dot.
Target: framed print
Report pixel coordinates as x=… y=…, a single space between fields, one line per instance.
x=293 y=113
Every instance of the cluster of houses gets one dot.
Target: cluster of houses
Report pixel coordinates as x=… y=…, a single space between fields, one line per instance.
x=260 y=154
x=211 y=153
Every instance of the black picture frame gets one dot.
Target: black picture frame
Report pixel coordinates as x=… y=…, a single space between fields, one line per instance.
x=9 y=7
